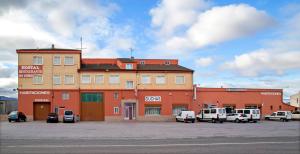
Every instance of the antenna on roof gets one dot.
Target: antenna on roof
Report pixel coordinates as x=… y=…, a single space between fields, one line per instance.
x=131 y=50
x=81 y=43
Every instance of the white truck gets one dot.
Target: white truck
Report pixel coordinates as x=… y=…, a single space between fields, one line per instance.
x=212 y=114
x=186 y=116
x=280 y=115
x=252 y=114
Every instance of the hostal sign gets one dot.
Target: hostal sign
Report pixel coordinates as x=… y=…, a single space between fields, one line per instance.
x=27 y=71
x=152 y=98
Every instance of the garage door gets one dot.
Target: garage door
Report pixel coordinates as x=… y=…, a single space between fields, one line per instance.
x=41 y=110
x=92 y=107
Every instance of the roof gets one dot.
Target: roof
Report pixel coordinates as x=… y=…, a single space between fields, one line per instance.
x=140 y=67
x=4 y=98
x=48 y=50
x=126 y=60
x=158 y=67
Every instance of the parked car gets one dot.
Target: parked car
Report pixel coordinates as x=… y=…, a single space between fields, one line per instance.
x=69 y=116
x=280 y=115
x=16 y=116
x=52 y=117
x=252 y=114
x=296 y=115
x=212 y=114
x=237 y=117
x=186 y=116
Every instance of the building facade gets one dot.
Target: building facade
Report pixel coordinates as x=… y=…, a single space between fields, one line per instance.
x=8 y=104
x=54 y=80
x=295 y=101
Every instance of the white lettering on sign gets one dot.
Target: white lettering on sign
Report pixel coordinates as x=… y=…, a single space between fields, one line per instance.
x=41 y=100
x=35 y=92
x=152 y=98
x=270 y=93
x=27 y=71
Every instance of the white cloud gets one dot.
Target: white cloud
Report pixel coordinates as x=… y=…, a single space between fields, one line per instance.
x=38 y=24
x=169 y=15
x=204 y=61
x=278 y=56
x=220 y=24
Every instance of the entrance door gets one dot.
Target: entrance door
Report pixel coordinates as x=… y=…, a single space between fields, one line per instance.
x=129 y=111
x=41 y=110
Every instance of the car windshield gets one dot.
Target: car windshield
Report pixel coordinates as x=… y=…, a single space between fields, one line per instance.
x=68 y=113
x=52 y=114
x=13 y=113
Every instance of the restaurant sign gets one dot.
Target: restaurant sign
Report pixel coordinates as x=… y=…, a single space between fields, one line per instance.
x=27 y=71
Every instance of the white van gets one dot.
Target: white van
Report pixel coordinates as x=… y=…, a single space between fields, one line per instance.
x=280 y=115
x=212 y=114
x=186 y=116
x=252 y=114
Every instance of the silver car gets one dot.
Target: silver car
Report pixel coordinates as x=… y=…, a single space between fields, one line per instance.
x=69 y=116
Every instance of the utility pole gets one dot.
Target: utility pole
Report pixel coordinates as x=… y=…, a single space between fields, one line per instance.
x=81 y=43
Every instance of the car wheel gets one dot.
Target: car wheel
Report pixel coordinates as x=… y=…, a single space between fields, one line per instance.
x=198 y=119
x=267 y=118
x=177 y=120
x=221 y=121
x=9 y=120
x=236 y=120
x=255 y=121
x=213 y=121
x=193 y=121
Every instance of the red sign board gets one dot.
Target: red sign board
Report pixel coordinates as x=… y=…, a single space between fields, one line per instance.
x=27 y=71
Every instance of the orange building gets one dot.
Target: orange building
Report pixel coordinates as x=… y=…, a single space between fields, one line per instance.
x=54 y=80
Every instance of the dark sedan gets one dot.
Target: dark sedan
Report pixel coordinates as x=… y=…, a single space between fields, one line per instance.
x=16 y=116
x=52 y=117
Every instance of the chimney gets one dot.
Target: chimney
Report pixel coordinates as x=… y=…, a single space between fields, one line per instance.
x=131 y=57
x=52 y=46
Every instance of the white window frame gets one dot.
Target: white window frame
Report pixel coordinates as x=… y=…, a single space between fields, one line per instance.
x=127 y=87
x=180 y=76
x=116 y=94
x=110 y=79
x=129 y=68
x=34 y=81
x=69 y=57
x=167 y=62
x=116 y=110
x=153 y=108
x=54 y=60
x=56 y=76
x=86 y=82
x=143 y=76
x=156 y=79
x=142 y=62
x=65 y=80
x=34 y=62
x=102 y=81
x=64 y=94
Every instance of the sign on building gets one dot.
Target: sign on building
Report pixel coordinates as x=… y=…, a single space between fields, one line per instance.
x=27 y=71
x=152 y=98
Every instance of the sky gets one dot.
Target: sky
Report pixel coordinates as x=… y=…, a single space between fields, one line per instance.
x=228 y=43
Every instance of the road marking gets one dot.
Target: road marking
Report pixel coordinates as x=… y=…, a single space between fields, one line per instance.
x=143 y=145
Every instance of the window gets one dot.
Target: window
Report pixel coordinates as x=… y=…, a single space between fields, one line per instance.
x=37 y=60
x=246 y=111
x=280 y=113
x=146 y=79
x=179 y=80
x=69 y=60
x=142 y=62
x=160 y=79
x=91 y=97
x=129 y=84
x=114 y=79
x=85 y=79
x=37 y=79
x=152 y=110
x=129 y=66
x=69 y=79
x=178 y=109
x=271 y=107
x=56 y=60
x=65 y=96
x=116 y=110
x=56 y=79
x=206 y=111
x=99 y=79
x=239 y=111
x=279 y=107
x=213 y=111
x=116 y=95
x=167 y=62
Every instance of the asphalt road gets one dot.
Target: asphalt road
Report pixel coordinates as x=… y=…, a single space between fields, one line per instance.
x=209 y=145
